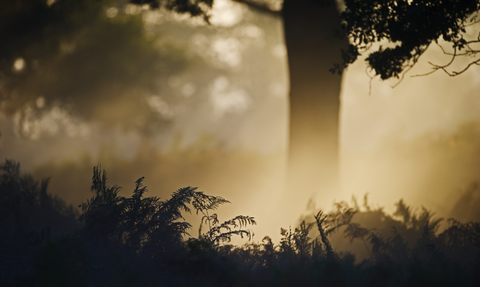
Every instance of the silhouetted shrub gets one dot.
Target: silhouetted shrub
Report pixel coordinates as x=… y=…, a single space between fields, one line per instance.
x=144 y=241
x=29 y=218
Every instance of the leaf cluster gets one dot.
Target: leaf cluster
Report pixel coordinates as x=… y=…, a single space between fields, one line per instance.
x=409 y=25
x=26 y=208
x=303 y=241
x=148 y=222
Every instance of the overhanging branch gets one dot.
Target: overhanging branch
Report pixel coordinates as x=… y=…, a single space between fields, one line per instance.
x=263 y=8
x=454 y=55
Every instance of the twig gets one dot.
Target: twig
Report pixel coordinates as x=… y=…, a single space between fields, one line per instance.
x=409 y=67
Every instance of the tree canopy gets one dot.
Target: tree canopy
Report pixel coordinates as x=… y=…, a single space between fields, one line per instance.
x=409 y=27
x=404 y=29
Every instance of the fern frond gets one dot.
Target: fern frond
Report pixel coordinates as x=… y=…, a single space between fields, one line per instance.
x=227 y=236
x=324 y=230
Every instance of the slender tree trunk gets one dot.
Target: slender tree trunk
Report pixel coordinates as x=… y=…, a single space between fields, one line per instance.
x=312 y=29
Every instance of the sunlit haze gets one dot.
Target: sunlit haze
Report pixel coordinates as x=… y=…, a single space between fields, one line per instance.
x=220 y=114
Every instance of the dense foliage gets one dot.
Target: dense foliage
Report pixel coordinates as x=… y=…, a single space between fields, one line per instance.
x=144 y=241
x=29 y=219
x=410 y=27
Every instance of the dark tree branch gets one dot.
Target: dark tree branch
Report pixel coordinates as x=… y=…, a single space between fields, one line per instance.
x=263 y=8
x=414 y=60
x=440 y=67
x=454 y=56
x=367 y=22
x=456 y=73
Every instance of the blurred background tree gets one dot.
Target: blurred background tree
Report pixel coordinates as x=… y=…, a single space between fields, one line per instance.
x=85 y=58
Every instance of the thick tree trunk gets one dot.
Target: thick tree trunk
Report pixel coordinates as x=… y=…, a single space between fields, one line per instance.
x=312 y=29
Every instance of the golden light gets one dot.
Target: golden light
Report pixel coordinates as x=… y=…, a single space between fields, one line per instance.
x=19 y=64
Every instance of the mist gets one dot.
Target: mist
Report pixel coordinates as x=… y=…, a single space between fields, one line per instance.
x=207 y=106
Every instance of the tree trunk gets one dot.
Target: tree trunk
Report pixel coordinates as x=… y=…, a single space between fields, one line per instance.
x=312 y=30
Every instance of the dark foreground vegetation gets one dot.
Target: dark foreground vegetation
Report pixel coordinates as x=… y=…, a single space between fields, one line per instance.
x=145 y=241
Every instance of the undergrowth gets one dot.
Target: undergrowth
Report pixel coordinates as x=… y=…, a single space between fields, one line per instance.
x=146 y=241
